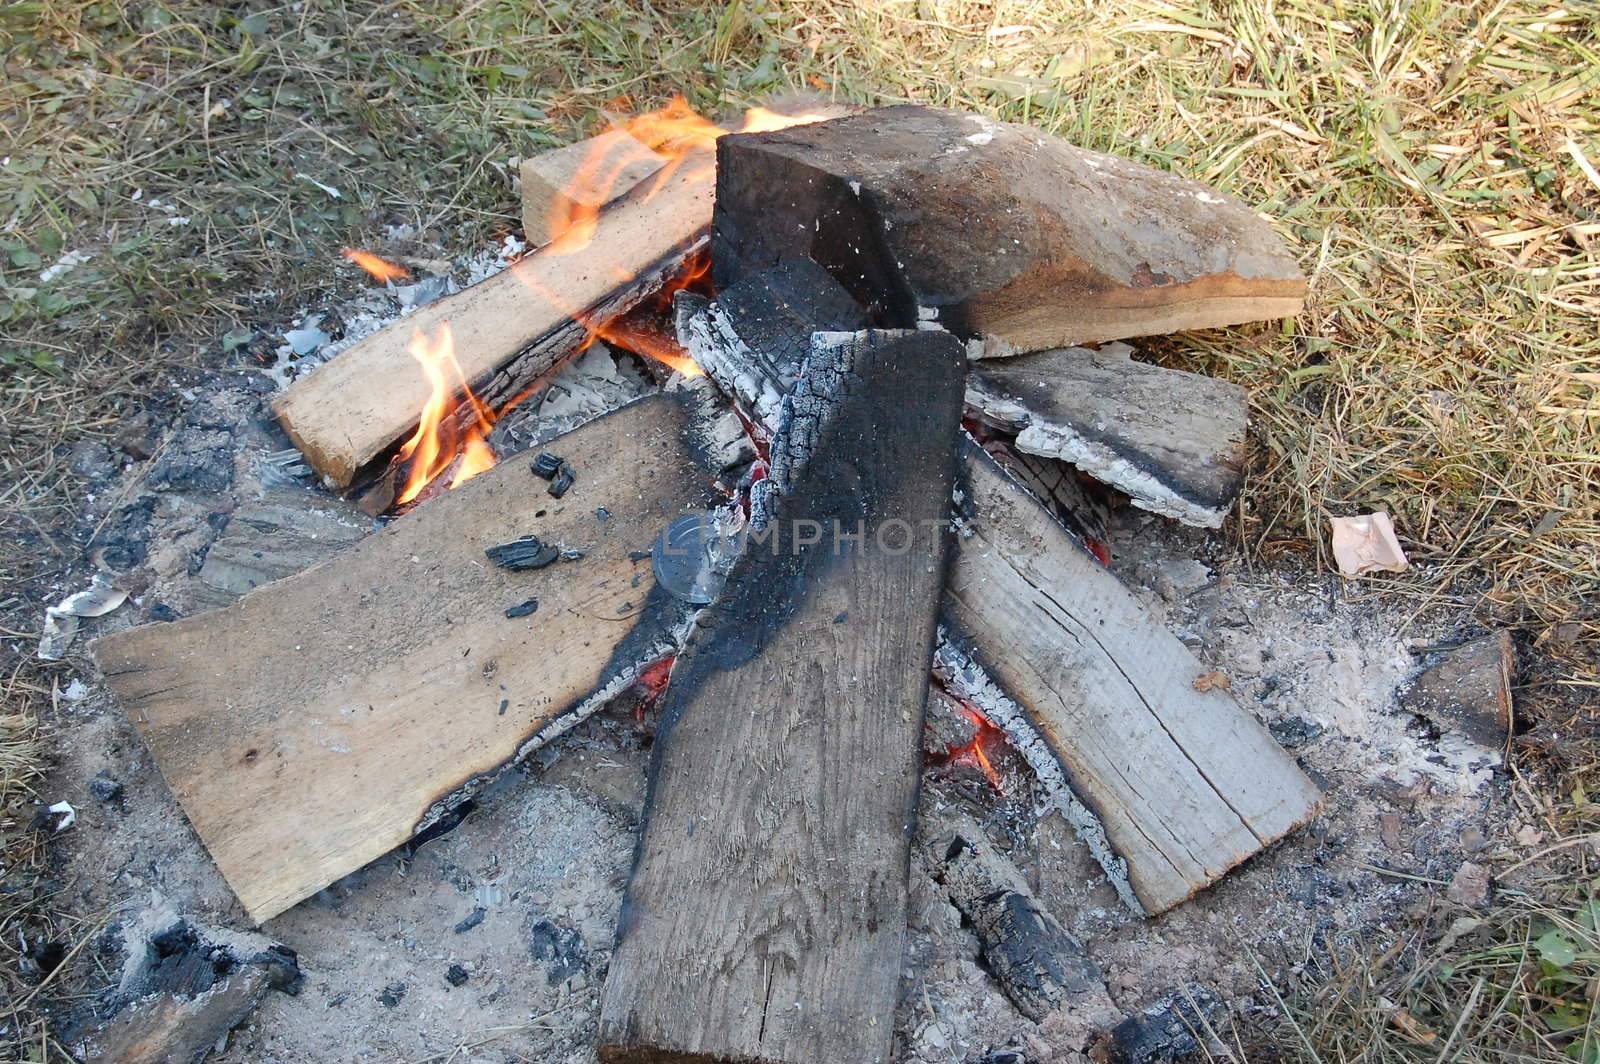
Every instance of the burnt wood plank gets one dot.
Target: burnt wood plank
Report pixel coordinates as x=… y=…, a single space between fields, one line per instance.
x=1037 y=962
x=995 y=230
x=509 y=330
x=1174 y=442
x=321 y=720
x=1186 y=783
x=765 y=917
x=1085 y=704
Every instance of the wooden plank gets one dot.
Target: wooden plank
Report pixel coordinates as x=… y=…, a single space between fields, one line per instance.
x=565 y=183
x=509 y=330
x=765 y=917
x=1186 y=783
x=995 y=230
x=1174 y=442
x=320 y=721
x=1079 y=731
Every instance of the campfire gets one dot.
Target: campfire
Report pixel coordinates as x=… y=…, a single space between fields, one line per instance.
x=858 y=528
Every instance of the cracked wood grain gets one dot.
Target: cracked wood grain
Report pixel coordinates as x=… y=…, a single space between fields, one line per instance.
x=1186 y=783
x=321 y=720
x=765 y=917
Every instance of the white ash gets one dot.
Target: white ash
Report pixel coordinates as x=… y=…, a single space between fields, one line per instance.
x=967 y=679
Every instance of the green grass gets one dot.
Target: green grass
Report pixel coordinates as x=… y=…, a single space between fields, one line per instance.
x=1426 y=161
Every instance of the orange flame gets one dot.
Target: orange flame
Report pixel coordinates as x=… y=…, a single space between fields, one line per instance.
x=438 y=441
x=972 y=752
x=382 y=269
x=687 y=140
x=677 y=132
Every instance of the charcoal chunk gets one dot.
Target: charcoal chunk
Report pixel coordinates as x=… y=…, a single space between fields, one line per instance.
x=521 y=554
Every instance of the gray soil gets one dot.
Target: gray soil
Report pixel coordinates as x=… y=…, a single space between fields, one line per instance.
x=544 y=857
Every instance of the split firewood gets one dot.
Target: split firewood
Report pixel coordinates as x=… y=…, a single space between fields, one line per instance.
x=1107 y=690
x=280 y=721
x=1173 y=442
x=184 y=988
x=1111 y=692
x=509 y=331
x=765 y=917
x=570 y=182
x=996 y=231
x=1037 y=962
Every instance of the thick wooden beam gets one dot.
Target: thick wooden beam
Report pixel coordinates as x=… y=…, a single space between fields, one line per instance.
x=995 y=230
x=509 y=330
x=1174 y=442
x=322 y=720
x=1186 y=783
x=765 y=917
x=567 y=182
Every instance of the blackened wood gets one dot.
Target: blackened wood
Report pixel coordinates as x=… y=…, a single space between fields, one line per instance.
x=1104 y=689
x=1174 y=442
x=765 y=917
x=1037 y=962
x=1468 y=690
x=188 y=988
x=995 y=230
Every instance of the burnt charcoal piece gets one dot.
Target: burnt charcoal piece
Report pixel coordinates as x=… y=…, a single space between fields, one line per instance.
x=562 y=948
x=522 y=609
x=456 y=975
x=522 y=554
x=105 y=789
x=392 y=995
x=471 y=920
x=563 y=480
x=1166 y=1029
x=1036 y=961
x=547 y=465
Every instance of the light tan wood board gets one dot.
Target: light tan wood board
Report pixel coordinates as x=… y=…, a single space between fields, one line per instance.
x=1187 y=784
x=314 y=724
x=582 y=176
x=364 y=401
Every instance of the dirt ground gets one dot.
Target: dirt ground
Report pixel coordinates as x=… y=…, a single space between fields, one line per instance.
x=523 y=896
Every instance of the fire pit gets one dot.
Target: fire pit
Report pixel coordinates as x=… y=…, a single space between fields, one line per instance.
x=864 y=376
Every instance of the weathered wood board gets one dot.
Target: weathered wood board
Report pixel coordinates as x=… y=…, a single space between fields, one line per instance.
x=1174 y=442
x=994 y=230
x=281 y=533
x=509 y=330
x=1186 y=783
x=1164 y=863
x=584 y=176
x=765 y=918
x=319 y=721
